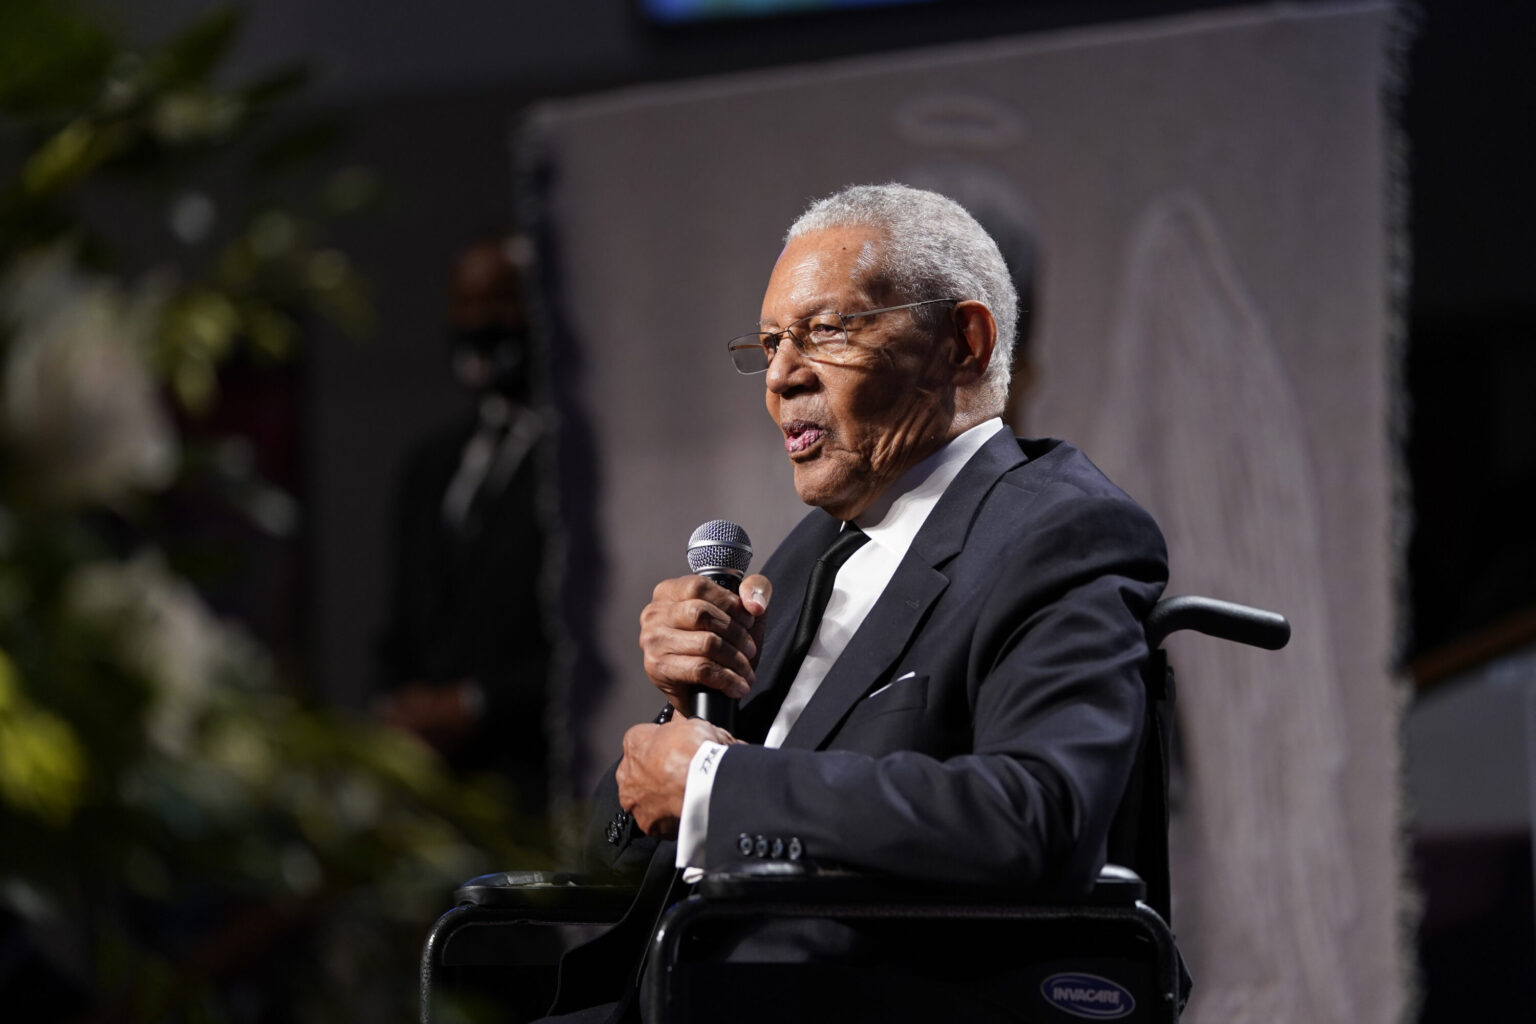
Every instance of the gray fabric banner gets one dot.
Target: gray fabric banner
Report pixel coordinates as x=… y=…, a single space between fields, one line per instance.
x=1211 y=199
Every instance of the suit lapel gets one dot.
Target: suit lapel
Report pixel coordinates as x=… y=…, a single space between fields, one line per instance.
x=879 y=640
x=901 y=608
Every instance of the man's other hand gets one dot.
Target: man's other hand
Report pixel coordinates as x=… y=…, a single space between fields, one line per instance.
x=654 y=770
x=443 y=716
x=696 y=633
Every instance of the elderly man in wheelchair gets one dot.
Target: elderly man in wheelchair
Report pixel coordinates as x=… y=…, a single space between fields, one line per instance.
x=893 y=765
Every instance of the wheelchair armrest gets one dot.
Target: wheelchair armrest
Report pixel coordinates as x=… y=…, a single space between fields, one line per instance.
x=788 y=881
x=547 y=895
x=504 y=936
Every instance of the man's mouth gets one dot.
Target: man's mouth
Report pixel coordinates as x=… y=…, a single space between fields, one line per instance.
x=800 y=435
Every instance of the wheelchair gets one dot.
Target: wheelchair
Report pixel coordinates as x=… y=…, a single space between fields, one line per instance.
x=928 y=953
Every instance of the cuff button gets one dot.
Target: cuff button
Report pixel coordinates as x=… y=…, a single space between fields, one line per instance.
x=795 y=849
x=615 y=830
x=744 y=844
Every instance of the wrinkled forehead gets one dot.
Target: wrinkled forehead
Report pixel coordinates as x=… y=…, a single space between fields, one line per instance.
x=823 y=271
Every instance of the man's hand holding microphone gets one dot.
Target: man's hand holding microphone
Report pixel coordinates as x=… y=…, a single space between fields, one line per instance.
x=700 y=636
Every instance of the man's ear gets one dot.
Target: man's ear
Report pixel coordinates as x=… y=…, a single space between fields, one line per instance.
x=975 y=337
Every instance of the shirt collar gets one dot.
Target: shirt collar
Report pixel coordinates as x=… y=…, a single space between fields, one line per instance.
x=894 y=519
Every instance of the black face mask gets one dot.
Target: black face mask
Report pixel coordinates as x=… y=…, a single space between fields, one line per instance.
x=505 y=351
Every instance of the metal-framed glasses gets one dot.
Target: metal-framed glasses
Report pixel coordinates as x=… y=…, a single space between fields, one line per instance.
x=818 y=336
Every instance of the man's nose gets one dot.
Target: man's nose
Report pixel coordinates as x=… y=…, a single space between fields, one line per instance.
x=787 y=367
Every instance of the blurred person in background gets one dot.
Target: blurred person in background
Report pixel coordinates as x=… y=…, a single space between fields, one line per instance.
x=465 y=654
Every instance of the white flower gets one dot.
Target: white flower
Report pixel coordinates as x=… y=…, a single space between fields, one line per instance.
x=81 y=416
x=169 y=636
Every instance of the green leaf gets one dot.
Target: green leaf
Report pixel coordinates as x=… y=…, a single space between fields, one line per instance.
x=191 y=56
x=272 y=333
x=196 y=115
x=50 y=57
x=195 y=382
x=42 y=764
x=72 y=153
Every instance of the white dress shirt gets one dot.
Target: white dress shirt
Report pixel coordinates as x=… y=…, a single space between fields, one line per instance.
x=891 y=523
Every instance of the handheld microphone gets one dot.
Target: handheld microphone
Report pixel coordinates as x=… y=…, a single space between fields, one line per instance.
x=720 y=551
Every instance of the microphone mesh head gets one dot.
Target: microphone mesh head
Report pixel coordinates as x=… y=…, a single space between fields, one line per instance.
x=719 y=546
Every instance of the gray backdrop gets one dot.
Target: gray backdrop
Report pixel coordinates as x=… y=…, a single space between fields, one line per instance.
x=1213 y=201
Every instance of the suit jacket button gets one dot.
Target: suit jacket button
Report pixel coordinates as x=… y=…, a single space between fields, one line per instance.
x=744 y=844
x=760 y=847
x=795 y=849
x=778 y=848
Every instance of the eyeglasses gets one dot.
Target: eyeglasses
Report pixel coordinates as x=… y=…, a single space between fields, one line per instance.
x=818 y=336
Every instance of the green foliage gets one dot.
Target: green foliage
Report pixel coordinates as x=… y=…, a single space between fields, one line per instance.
x=79 y=112
x=172 y=811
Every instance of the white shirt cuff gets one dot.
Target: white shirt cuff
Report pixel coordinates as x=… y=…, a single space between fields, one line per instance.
x=693 y=826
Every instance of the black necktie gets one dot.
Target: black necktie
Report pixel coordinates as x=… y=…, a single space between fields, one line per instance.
x=818 y=591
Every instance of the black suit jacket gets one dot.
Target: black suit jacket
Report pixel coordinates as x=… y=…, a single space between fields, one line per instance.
x=982 y=722
x=469 y=604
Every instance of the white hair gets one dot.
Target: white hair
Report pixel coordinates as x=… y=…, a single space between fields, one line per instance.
x=932 y=248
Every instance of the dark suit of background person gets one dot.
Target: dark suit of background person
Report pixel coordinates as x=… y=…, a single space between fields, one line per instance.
x=982 y=721
x=465 y=653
